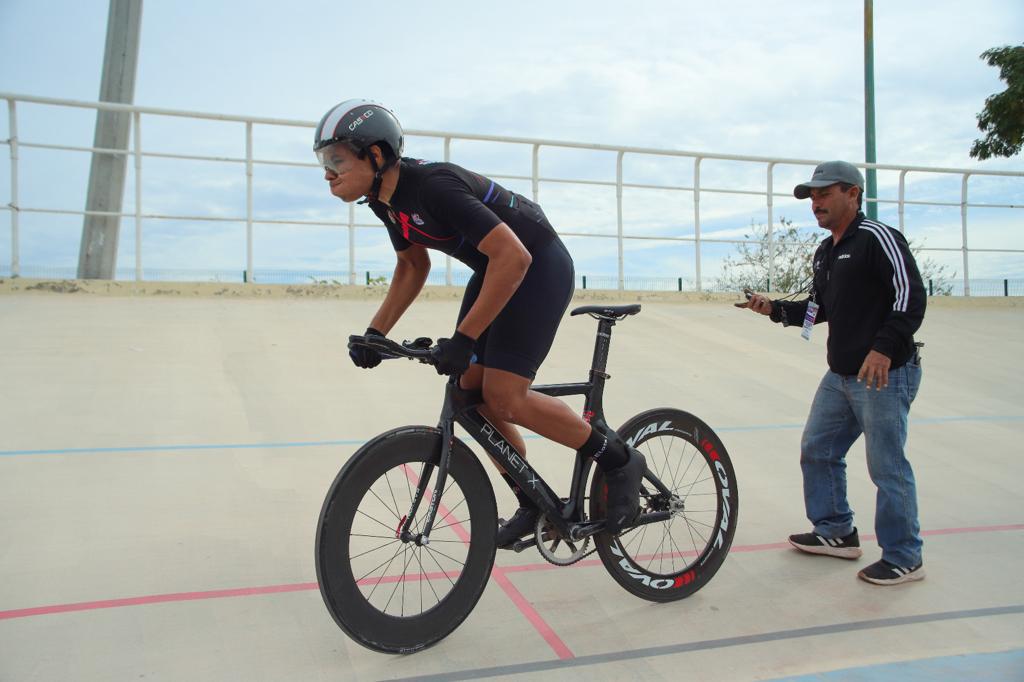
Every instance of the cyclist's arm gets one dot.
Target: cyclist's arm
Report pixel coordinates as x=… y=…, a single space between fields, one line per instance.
x=411 y=272
x=507 y=263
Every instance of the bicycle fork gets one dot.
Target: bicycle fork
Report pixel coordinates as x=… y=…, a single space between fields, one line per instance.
x=453 y=395
x=460 y=406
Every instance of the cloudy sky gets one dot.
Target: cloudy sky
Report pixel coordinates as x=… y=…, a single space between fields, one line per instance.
x=781 y=79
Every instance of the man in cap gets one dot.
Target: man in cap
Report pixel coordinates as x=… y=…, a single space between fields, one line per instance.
x=866 y=285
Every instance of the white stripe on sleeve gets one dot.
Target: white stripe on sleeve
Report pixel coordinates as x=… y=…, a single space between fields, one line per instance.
x=900 y=280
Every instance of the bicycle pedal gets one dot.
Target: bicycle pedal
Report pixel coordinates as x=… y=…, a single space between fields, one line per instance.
x=520 y=545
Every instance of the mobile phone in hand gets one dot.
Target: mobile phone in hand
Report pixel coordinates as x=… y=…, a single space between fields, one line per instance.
x=749 y=294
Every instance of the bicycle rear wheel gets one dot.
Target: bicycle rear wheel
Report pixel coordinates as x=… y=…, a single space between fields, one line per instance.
x=392 y=595
x=672 y=559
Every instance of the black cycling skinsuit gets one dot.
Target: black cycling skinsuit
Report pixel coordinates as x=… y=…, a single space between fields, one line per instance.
x=869 y=291
x=445 y=207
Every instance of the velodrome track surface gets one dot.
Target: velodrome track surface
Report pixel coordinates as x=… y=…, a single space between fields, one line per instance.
x=163 y=460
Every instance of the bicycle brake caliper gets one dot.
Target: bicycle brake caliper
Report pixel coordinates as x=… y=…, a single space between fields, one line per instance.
x=398 y=531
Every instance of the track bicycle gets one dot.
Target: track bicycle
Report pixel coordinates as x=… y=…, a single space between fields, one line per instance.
x=405 y=541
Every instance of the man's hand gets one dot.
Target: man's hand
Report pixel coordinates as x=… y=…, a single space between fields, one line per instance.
x=453 y=355
x=757 y=303
x=875 y=370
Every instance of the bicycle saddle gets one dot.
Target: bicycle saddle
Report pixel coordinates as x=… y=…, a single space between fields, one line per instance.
x=607 y=312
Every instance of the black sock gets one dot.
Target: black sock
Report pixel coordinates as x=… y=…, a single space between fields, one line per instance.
x=606 y=449
x=524 y=501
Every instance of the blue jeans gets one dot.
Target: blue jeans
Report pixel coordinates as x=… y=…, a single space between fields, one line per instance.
x=842 y=410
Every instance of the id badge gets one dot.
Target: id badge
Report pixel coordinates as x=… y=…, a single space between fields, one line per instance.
x=809 y=316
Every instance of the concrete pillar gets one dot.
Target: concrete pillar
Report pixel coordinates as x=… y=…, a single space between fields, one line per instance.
x=97 y=257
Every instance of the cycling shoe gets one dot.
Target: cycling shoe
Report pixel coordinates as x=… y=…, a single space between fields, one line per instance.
x=523 y=522
x=624 y=492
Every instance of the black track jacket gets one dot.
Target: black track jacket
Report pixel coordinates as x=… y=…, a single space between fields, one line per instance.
x=869 y=291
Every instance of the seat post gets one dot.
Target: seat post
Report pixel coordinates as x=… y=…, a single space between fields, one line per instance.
x=593 y=407
x=601 y=345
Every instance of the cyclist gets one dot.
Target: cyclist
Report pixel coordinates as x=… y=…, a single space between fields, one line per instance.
x=522 y=282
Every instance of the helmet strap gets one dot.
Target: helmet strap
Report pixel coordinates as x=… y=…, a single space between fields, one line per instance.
x=378 y=177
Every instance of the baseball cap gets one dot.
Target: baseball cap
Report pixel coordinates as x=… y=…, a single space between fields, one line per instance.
x=829 y=173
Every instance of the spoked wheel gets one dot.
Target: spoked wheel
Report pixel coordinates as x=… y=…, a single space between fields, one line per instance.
x=672 y=558
x=385 y=590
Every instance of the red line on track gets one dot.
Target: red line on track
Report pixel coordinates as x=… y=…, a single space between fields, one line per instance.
x=530 y=613
x=156 y=599
x=499 y=574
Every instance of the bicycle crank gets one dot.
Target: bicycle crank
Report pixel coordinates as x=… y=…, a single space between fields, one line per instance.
x=557 y=549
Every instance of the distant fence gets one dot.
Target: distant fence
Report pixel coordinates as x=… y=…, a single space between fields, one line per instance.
x=691 y=236
x=937 y=287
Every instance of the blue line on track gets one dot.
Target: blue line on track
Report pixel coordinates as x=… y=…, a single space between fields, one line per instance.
x=997 y=667
x=559 y=666
x=924 y=421
x=171 y=448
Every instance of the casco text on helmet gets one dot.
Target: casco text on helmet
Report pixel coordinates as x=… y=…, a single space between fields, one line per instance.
x=361 y=123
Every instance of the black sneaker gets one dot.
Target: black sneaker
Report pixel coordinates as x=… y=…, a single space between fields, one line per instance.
x=883 y=573
x=624 y=492
x=523 y=522
x=845 y=548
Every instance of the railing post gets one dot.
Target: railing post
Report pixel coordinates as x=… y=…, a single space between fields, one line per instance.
x=618 y=217
x=535 y=173
x=696 y=219
x=771 y=227
x=137 y=120
x=902 y=196
x=447 y=258
x=351 y=243
x=248 y=200
x=13 y=126
x=963 y=227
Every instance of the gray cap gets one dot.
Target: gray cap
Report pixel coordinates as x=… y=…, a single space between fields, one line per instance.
x=829 y=173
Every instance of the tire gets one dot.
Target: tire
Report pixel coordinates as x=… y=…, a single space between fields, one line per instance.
x=393 y=596
x=672 y=559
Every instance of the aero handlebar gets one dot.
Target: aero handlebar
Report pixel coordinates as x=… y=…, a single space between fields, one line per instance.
x=418 y=349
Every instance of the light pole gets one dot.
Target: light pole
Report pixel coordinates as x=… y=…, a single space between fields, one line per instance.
x=869 y=108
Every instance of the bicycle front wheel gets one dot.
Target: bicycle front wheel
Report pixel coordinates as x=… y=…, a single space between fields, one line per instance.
x=671 y=559
x=394 y=595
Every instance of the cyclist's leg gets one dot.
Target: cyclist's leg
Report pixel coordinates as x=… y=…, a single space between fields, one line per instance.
x=473 y=380
x=518 y=342
x=507 y=395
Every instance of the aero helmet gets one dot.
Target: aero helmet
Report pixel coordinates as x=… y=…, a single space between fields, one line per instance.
x=360 y=123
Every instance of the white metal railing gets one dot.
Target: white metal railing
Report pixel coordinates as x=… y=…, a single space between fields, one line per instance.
x=138 y=154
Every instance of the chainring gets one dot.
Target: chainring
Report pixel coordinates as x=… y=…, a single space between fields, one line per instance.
x=553 y=547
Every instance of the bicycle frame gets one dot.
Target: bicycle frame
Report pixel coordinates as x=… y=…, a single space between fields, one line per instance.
x=460 y=406
x=358 y=549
